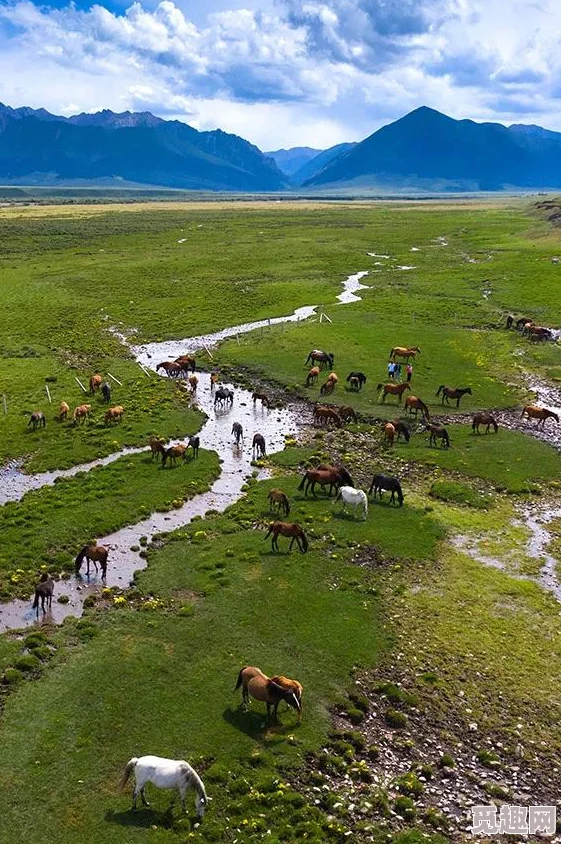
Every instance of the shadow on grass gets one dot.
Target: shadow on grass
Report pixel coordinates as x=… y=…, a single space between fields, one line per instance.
x=256 y=724
x=143 y=818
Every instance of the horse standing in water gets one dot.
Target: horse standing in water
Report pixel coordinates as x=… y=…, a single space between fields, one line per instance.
x=170 y=367
x=165 y=773
x=186 y=362
x=258 y=446
x=237 y=431
x=355 y=497
x=323 y=415
x=539 y=413
x=270 y=690
x=287 y=529
x=451 y=393
x=93 y=554
x=44 y=592
x=484 y=419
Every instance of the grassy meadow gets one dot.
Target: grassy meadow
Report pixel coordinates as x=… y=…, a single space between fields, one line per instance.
x=401 y=640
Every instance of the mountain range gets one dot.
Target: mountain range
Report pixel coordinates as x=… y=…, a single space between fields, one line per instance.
x=424 y=151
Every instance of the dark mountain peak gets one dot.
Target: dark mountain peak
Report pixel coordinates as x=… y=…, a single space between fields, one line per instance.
x=112 y=120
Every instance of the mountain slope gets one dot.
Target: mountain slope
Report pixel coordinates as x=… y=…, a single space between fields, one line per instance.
x=290 y=160
x=318 y=162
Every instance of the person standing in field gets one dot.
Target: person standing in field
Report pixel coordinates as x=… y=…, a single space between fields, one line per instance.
x=409 y=371
x=391 y=369
x=397 y=371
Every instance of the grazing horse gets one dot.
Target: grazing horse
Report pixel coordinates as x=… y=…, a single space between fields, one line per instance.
x=312 y=376
x=114 y=414
x=106 y=392
x=355 y=497
x=520 y=323
x=381 y=482
x=356 y=380
x=323 y=415
x=279 y=499
x=193 y=383
x=258 y=446
x=404 y=352
x=263 y=397
x=347 y=413
x=157 y=447
x=93 y=554
x=44 y=592
x=237 y=431
x=394 y=390
x=37 y=420
x=214 y=376
x=451 y=393
x=95 y=383
x=327 y=387
x=63 y=410
x=269 y=690
x=389 y=433
x=321 y=357
x=172 y=453
x=329 y=476
x=165 y=773
x=186 y=362
x=412 y=403
x=224 y=396
x=194 y=443
x=484 y=419
x=170 y=367
x=437 y=432
x=287 y=529
x=81 y=412
x=401 y=428
x=539 y=413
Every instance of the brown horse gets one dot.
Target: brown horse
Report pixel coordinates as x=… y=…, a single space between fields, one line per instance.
x=287 y=529
x=312 y=376
x=404 y=352
x=279 y=499
x=258 y=446
x=114 y=414
x=347 y=413
x=389 y=433
x=37 y=420
x=170 y=367
x=81 y=412
x=94 y=554
x=263 y=398
x=95 y=383
x=257 y=685
x=329 y=385
x=44 y=592
x=539 y=413
x=323 y=415
x=193 y=382
x=172 y=453
x=437 y=432
x=214 y=378
x=412 y=403
x=63 y=410
x=451 y=393
x=186 y=362
x=157 y=447
x=484 y=419
x=394 y=390
x=401 y=428
x=291 y=685
x=328 y=476
x=321 y=357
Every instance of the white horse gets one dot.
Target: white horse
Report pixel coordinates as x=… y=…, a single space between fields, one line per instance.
x=356 y=497
x=165 y=773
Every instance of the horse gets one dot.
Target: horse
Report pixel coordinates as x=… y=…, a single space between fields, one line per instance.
x=509 y=321
x=170 y=367
x=193 y=382
x=356 y=380
x=223 y=395
x=237 y=431
x=114 y=414
x=287 y=529
x=95 y=383
x=63 y=410
x=165 y=773
x=484 y=419
x=401 y=428
x=331 y=475
x=193 y=443
x=404 y=352
x=451 y=393
x=93 y=554
x=394 y=390
x=37 y=420
x=172 y=453
x=355 y=497
x=106 y=392
x=186 y=362
x=537 y=332
x=389 y=433
x=44 y=592
x=321 y=357
x=269 y=690
x=381 y=482
x=327 y=387
x=157 y=447
x=539 y=413
x=346 y=413
x=81 y=412
x=412 y=403
x=214 y=376
x=258 y=446
x=264 y=399
x=437 y=432
x=312 y=376
x=280 y=499
x=323 y=415
x=520 y=323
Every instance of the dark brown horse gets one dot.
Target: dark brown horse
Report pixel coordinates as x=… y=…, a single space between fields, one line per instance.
x=330 y=476
x=539 y=413
x=258 y=446
x=394 y=390
x=484 y=419
x=356 y=380
x=44 y=592
x=287 y=529
x=381 y=482
x=321 y=357
x=279 y=500
x=452 y=393
x=186 y=362
x=412 y=403
x=437 y=432
x=37 y=420
x=263 y=398
x=323 y=415
x=269 y=690
x=170 y=367
x=93 y=554
x=401 y=428
x=194 y=443
x=237 y=431
x=347 y=413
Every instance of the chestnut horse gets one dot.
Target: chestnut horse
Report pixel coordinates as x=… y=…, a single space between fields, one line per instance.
x=157 y=447
x=312 y=376
x=539 y=413
x=437 y=432
x=389 y=433
x=287 y=529
x=186 y=362
x=95 y=383
x=81 y=412
x=329 y=476
x=170 y=367
x=114 y=414
x=269 y=690
x=280 y=499
x=323 y=415
x=404 y=352
x=394 y=390
x=484 y=419
x=93 y=554
x=412 y=403
x=172 y=453
x=451 y=393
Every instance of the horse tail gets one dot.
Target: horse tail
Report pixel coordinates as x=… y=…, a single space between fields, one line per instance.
x=305 y=544
x=439 y=389
x=495 y=426
x=240 y=678
x=36 y=600
x=286 y=505
x=129 y=768
x=302 y=482
x=80 y=557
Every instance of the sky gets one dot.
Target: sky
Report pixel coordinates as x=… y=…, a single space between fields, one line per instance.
x=285 y=73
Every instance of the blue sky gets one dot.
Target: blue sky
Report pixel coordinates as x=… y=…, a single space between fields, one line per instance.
x=285 y=73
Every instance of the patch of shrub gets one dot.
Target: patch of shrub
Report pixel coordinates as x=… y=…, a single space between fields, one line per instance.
x=409 y=784
x=488 y=758
x=27 y=662
x=446 y=761
x=459 y=493
x=12 y=676
x=397 y=720
x=405 y=807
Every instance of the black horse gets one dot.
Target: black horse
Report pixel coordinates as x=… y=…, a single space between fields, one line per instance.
x=237 y=431
x=223 y=396
x=381 y=482
x=356 y=378
x=106 y=392
x=258 y=445
x=194 y=443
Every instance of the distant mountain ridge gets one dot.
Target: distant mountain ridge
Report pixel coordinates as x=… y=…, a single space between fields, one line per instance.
x=37 y=147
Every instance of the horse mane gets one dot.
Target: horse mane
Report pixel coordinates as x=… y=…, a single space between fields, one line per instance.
x=196 y=783
x=82 y=554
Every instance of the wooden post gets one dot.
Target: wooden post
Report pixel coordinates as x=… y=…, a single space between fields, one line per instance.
x=116 y=380
x=4 y=402
x=207 y=350
x=80 y=383
x=48 y=394
x=146 y=372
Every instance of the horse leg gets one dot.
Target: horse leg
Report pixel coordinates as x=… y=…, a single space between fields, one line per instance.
x=143 y=796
